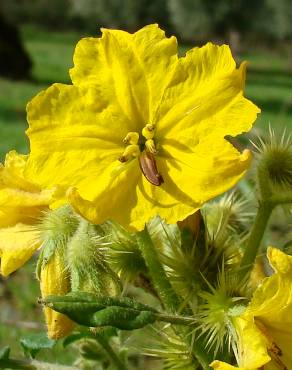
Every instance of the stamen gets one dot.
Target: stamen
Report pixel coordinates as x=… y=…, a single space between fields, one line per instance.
x=148 y=131
x=130 y=151
x=150 y=126
x=131 y=138
x=150 y=146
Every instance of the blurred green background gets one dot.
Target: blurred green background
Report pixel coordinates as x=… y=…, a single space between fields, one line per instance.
x=37 y=39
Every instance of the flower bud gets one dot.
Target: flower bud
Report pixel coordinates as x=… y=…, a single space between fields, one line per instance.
x=275 y=160
x=88 y=268
x=54 y=280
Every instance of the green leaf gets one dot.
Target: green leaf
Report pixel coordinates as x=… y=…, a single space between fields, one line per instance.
x=34 y=343
x=90 y=310
x=5 y=352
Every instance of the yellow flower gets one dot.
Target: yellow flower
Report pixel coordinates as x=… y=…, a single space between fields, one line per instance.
x=21 y=204
x=141 y=132
x=265 y=329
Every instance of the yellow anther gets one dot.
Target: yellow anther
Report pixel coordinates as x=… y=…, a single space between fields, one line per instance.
x=150 y=127
x=130 y=151
x=131 y=138
x=148 y=131
x=150 y=146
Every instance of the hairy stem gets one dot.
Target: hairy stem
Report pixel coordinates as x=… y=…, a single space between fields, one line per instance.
x=255 y=237
x=156 y=271
x=284 y=197
x=174 y=319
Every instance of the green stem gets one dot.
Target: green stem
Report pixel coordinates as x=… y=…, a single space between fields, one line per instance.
x=174 y=319
x=111 y=353
x=156 y=271
x=256 y=235
x=284 y=197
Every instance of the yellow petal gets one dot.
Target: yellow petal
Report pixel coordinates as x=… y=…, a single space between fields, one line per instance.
x=214 y=167
x=12 y=173
x=133 y=69
x=205 y=84
x=54 y=280
x=17 y=245
x=219 y=365
x=70 y=127
x=20 y=199
x=17 y=205
x=280 y=261
x=272 y=303
x=252 y=350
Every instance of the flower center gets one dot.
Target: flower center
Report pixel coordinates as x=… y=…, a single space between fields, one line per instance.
x=143 y=147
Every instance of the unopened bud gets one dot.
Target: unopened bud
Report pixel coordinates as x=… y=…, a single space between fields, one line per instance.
x=54 y=280
x=88 y=267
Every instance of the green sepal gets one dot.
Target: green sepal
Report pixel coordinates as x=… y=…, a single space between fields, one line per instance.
x=90 y=310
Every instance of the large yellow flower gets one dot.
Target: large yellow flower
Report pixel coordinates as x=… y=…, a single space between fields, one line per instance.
x=21 y=204
x=265 y=329
x=141 y=132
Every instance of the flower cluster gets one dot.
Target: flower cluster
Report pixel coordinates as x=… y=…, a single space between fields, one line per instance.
x=113 y=193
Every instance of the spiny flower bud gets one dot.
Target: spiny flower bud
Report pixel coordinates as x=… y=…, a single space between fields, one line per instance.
x=122 y=252
x=88 y=268
x=59 y=225
x=55 y=228
x=54 y=280
x=275 y=159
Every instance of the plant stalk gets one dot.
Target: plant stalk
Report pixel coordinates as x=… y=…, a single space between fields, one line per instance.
x=157 y=273
x=116 y=360
x=256 y=235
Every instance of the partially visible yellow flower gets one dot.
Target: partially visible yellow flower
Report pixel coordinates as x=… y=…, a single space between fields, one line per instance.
x=21 y=204
x=141 y=132
x=55 y=280
x=265 y=329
